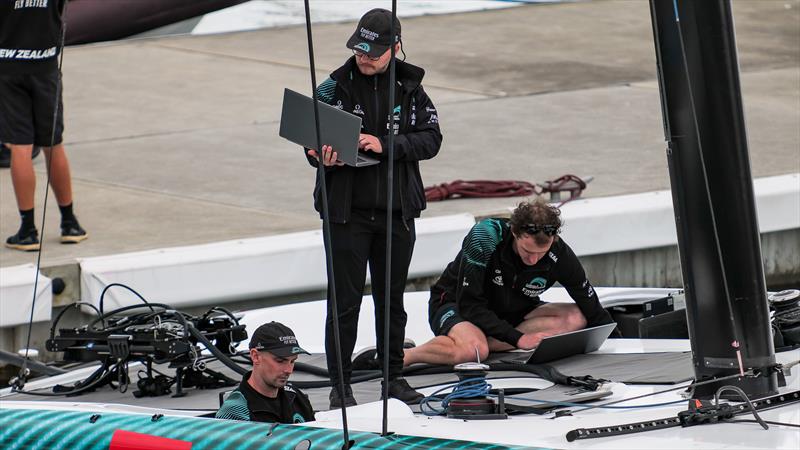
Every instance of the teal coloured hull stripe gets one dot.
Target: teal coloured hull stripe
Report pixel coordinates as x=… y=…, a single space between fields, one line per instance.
x=55 y=432
x=100 y=429
x=216 y=430
x=34 y=425
x=51 y=434
x=9 y=416
x=44 y=430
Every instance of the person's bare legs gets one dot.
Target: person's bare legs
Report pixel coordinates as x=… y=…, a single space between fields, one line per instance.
x=22 y=177
x=457 y=347
x=551 y=319
x=60 y=178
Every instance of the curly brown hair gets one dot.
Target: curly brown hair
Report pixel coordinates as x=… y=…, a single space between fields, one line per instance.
x=537 y=219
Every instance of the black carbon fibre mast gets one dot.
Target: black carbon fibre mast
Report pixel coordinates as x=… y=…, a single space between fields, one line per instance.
x=712 y=192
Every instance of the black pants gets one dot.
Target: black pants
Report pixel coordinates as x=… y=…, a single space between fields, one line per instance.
x=353 y=244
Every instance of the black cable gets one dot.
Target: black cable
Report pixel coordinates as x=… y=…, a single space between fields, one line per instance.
x=783 y=424
x=745 y=398
x=23 y=371
x=103 y=372
x=103 y=294
x=718 y=247
x=73 y=305
x=223 y=358
x=699 y=383
x=389 y=223
x=326 y=231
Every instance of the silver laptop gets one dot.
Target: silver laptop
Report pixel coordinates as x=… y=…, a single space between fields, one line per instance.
x=337 y=128
x=563 y=345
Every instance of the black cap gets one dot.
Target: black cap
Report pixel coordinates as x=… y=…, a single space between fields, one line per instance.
x=372 y=36
x=277 y=339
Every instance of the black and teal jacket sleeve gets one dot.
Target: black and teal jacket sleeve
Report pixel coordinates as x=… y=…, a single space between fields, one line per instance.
x=422 y=138
x=572 y=276
x=326 y=93
x=473 y=303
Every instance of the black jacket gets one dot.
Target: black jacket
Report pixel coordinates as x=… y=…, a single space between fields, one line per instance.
x=245 y=403
x=491 y=286
x=30 y=36
x=417 y=137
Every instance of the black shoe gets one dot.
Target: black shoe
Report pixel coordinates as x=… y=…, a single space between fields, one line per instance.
x=367 y=359
x=72 y=233
x=27 y=241
x=399 y=389
x=336 y=399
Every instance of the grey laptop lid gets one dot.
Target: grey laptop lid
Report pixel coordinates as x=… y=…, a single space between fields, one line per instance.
x=560 y=346
x=337 y=128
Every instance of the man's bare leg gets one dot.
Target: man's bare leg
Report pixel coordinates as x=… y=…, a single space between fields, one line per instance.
x=551 y=319
x=22 y=176
x=457 y=347
x=60 y=178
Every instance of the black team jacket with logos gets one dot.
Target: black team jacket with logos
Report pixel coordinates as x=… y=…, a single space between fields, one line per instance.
x=245 y=403
x=417 y=138
x=491 y=286
x=30 y=36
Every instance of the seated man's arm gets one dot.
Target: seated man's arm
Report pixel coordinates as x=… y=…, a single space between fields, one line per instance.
x=572 y=276
x=234 y=408
x=473 y=305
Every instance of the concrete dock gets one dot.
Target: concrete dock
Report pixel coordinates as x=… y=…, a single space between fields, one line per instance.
x=173 y=141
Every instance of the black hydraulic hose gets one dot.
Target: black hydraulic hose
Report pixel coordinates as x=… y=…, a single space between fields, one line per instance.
x=94 y=380
x=23 y=371
x=222 y=357
x=389 y=219
x=326 y=230
x=73 y=305
x=103 y=294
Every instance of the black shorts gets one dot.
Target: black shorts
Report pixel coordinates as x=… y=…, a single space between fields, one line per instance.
x=26 y=109
x=446 y=316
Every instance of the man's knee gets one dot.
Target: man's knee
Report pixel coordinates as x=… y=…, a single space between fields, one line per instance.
x=574 y=319
x=471 y=351
x=471 y=344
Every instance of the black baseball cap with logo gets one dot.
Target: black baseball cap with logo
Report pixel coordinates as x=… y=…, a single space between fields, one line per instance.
x=277 y=339
x=372 y=35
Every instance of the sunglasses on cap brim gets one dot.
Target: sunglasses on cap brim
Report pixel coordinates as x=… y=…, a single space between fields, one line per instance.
x=549 y=230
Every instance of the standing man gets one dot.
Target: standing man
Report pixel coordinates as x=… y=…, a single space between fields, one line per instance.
x=264 y=395
x=357 y=196
x=487 y=299
x=30 y=85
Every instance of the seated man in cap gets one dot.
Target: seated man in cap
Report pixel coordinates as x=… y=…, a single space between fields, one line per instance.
x=264 y=394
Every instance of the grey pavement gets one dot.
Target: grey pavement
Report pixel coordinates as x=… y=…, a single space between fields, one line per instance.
x=173 y=141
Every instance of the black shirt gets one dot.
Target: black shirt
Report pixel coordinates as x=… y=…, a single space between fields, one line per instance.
x=30 y=36
x=245 y=403
x=492 y=287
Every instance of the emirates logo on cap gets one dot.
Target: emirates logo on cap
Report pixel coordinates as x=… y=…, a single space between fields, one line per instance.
x=369 y=34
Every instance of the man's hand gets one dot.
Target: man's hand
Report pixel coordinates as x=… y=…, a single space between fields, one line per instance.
x=329 y=157
x=529 y=341
x=368 y=142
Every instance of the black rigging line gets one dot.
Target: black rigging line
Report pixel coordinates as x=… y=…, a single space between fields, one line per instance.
x=23 y=371
x=389 y=219
x=326 y=231
x=737 y=336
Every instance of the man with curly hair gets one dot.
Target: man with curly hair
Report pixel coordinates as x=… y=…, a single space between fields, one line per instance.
x=487 y=299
